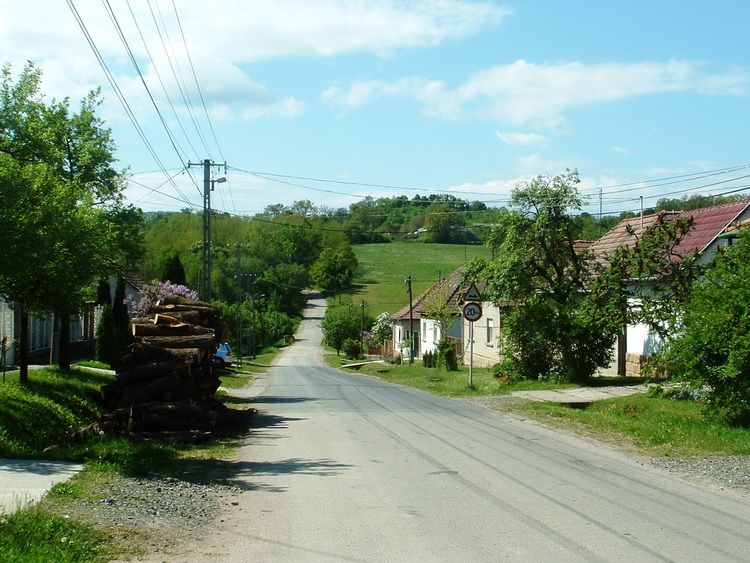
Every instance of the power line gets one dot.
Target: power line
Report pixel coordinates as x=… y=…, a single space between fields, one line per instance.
x=118 y=92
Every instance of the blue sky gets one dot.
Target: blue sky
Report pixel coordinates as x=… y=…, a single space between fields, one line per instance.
x=335 y=100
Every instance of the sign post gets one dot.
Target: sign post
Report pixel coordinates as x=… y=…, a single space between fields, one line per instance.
x=472 y=312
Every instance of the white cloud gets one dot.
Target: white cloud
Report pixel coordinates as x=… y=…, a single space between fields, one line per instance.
x=522 y=139
x=620 y=150
x=331 y=27
x=537 y=95
x=286 y=108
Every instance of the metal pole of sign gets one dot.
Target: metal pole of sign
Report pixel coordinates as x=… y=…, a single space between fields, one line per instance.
x=471 y=354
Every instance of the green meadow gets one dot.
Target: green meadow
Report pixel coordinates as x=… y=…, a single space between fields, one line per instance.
x=384 y=267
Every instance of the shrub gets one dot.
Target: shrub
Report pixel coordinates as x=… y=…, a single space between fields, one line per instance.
x=712 y=350
x=351 y=348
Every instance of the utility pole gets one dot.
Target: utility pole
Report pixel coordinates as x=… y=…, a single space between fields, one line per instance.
x=407 y=281
x=208 y=186
x=239 y=307
x=361 y=328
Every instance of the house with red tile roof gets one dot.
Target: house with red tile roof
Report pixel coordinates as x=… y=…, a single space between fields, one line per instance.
x=486 y=330
x=414 y=319
x=712 y=229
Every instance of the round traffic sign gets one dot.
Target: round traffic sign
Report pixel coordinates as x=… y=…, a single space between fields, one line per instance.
x=472 y=312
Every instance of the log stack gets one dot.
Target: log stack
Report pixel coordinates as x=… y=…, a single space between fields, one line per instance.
x=165 y=387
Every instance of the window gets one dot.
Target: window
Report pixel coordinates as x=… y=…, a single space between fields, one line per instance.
x=490 y=331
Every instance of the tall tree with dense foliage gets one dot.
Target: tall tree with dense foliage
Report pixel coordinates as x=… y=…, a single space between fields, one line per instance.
x=711 y=350
x=63 y=195
x=539 y=274
x=341 y=322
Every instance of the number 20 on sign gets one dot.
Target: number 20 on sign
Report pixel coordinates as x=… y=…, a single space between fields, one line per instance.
x=472 y=312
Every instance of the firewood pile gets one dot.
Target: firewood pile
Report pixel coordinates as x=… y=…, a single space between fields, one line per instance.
x=165 y=387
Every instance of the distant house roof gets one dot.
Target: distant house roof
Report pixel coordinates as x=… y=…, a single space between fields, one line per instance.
x=454 y=291
x=710 y=222
x=621 y=235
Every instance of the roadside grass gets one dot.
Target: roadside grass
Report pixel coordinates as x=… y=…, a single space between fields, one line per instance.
x=33 y=535
x=650 y=425
x=439 y=380
x=37 y=421
x=383 y=268
x=47 y=410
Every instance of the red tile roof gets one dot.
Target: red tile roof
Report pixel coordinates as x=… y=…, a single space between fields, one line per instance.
x=710 y=222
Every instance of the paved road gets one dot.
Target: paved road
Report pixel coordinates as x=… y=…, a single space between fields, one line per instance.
x=348 y=468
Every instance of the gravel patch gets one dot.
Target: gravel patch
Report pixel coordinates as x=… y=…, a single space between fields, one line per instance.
x=726 y=472
x=161 y=512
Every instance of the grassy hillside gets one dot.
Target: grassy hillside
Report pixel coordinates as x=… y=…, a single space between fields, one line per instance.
x=383 y=268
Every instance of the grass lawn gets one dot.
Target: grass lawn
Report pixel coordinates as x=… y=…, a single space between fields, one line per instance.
x=383 y=268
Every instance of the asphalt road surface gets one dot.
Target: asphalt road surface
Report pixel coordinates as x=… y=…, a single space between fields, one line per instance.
x=349 y=468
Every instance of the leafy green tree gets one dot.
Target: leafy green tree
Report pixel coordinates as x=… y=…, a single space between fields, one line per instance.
x=341 y=322
x=64 y=197
x=334 y=270
x=647 y=282
x=442 y=224
x=712 y=348
x=107 y=340
x=539 y=274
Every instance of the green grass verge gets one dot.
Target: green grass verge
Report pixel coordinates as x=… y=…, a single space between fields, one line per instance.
x=45 y=413
x=652 y=426
x=383 y=268
x=47 y=410
x=440 y=381
x=33 y=535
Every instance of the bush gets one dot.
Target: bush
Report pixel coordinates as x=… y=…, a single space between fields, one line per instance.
x=712 y=351
x=351 y=348
x=447 y=355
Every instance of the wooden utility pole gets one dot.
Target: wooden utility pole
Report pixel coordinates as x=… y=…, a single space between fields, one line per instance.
x=208 y=186
x=407 y=281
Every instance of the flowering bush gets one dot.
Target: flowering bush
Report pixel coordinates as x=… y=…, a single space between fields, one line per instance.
x=154 y=291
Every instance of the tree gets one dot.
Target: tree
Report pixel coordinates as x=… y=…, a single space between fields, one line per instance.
x=647 y=282
x=340 y=323
x=442 y=223
x=382 y=330
x=334 y=270
x=172 y=269
x=541 y=277
x=64 y=197
x=711 y=350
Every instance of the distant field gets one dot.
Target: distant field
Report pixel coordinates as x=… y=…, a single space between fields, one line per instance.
x=383 y=268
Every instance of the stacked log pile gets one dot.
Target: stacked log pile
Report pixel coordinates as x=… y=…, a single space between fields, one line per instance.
x=165 y=387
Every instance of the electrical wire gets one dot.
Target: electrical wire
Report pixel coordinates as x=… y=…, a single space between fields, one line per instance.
x=118 y=92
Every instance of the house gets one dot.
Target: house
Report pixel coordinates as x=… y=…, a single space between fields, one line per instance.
x=415 y=319
x=82 y=326
x=712 y=229
x=450 y=292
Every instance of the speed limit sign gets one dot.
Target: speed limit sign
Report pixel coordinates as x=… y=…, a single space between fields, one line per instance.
x=472 y=312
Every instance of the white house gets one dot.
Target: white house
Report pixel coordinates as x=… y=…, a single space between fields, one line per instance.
x=713 y=227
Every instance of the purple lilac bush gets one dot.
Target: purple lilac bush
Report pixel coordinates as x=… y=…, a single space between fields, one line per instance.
x=152 y=292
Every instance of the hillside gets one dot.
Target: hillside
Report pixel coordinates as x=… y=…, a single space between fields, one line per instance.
x=383 y=268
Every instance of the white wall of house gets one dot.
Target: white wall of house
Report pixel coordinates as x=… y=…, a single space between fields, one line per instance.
x=486 y=337
x=7 y=331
